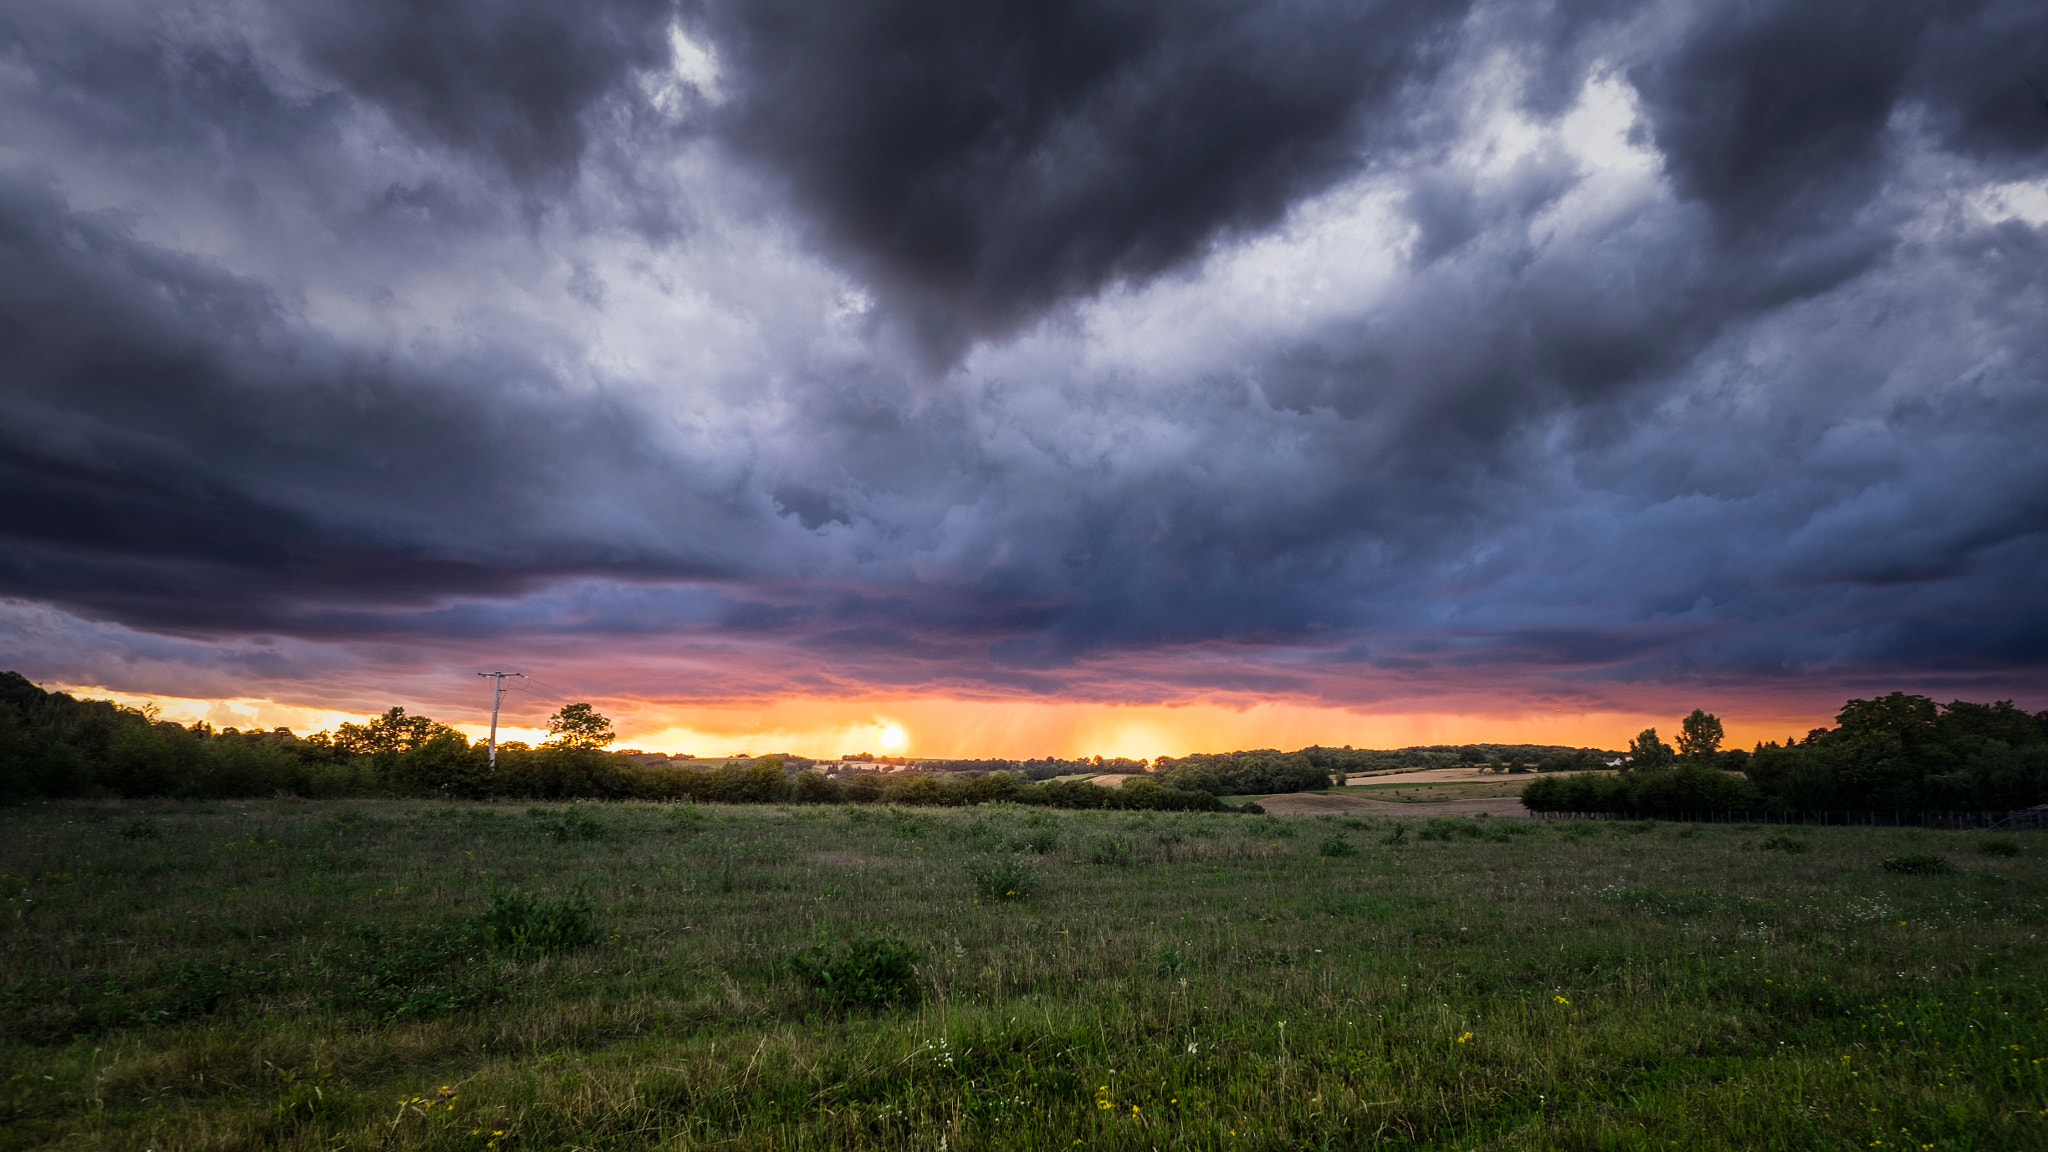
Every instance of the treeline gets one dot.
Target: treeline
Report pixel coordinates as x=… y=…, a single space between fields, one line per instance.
x=1898 y=753
x=53 y=745
x=1505 y=757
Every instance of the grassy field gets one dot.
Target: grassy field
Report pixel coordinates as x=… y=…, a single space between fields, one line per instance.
x=376 y=975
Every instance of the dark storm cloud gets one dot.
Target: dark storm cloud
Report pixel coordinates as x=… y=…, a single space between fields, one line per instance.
x=514 y=82
x=378 y=321
x=982 y=162
x=176 y=450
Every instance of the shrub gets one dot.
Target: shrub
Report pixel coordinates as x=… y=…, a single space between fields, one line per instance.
x=868 y=971
x=1001 y=877
x=1792 y=844
x=1111 y=851
x=1446 y=827
x=518 y=922
x=2006 y=848
x=1920 y=864
x=1337 y=846
x=141 y=828
x=1038 y=841
x=572 y=824
x=1251 y=808
x=1397 y=837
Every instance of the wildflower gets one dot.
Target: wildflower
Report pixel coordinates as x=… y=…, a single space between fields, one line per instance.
x=1465 y=1037
x=1560 y=1000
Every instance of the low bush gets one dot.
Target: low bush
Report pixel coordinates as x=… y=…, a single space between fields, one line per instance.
x=1337 y=846
x=522 y=923
x=2006 y=848
x=997 y=878
x=1037 y=841
x=571 y=824
x=867 y=971
x=1918 y=864
x=1111 y=851
x=1449 y=827
x=141 y=828
x=1791 y=844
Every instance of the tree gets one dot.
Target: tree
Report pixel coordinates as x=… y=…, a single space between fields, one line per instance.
x=579 y=726
x=1647 y=751
x=1699 y=735
x=394 y=731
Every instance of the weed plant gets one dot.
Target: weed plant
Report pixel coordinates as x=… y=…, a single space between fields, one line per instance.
x=520 y=922
x=396 y=974
x=1792 y=844
x=999 y=878
x=870 y=970
x=1918 y=864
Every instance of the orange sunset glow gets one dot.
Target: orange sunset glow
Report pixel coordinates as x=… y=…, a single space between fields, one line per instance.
x=976 y=729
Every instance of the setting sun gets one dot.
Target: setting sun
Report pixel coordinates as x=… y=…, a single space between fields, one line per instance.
x=892 y=737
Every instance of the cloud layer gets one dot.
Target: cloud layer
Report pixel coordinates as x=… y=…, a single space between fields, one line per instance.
x=1351 y=355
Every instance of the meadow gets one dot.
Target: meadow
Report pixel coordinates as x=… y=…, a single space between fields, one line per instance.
x=403 y=974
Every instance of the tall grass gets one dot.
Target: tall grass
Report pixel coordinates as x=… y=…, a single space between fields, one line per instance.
x=326 y=975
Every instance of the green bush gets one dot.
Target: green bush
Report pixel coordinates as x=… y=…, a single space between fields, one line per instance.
x=1038 y=841
x=141 y=828
x=1791 y=844
x=1111 y=851
x=521 y=923
x=998 y=878
x=867 y=971
x=1920 y=864
x=573 y=823
x=1448 y=827
x=1337 y=846
x=2006 y=848
x=1397 y=837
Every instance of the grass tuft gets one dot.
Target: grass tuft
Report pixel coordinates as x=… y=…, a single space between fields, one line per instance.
x=1918 y=864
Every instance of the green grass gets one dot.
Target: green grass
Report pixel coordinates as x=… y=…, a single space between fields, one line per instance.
x=335 y=975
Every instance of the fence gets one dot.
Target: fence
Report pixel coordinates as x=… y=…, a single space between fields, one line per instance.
x=2036 y=818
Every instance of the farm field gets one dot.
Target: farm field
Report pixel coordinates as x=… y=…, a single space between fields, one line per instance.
x=392 y=974
x=1487 y=788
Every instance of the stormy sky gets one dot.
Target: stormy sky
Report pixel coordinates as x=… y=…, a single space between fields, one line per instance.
x=1586 y=356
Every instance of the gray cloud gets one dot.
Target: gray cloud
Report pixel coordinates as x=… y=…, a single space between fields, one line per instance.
x=984 y=349
x=982 y=163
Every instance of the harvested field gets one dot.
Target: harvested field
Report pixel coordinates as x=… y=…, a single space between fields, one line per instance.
x=1311 y=803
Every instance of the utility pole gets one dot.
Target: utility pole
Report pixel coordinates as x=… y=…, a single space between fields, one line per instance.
x=497 y=693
